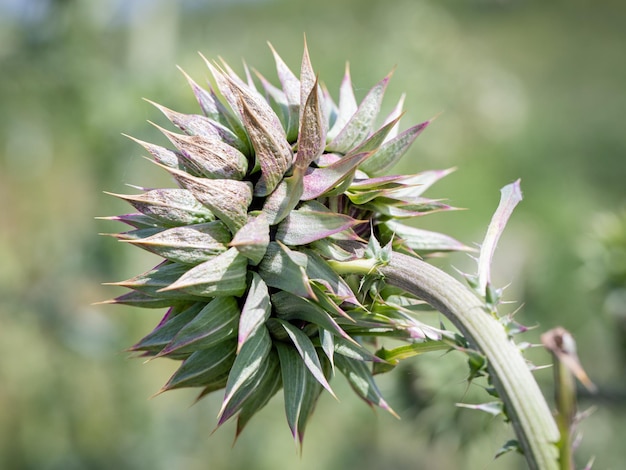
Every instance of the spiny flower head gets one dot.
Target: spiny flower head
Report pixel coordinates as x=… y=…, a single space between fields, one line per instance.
x=276 y=186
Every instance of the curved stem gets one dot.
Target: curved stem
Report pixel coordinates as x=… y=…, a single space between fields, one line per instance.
x=525 y=405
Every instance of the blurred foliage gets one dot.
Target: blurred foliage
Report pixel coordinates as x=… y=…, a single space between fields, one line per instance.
x=526 y=89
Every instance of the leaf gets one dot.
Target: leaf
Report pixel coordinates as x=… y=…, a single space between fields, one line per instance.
x=204 y=367
x=191 y=244
x=204 y=127
x=391 y=151
x=347 y=104
x=209 y=156
x=362 y=382
x=423 y=240
x=253 y=238
x=266 y=134
x=321 y=180
x=494 y=408
x=308 y=353
x=290 y=307
x=283 y=199
x=511 y=195
x=286 y=270
x=312 y=221
x=142 y=300
x=312 y=134
x=250 y=360
x=301 y=390
x=267 y=386
x=319 y=270
x=227 y=199
x=215 y=323
x=510 y=445
x=169 y=327
x=171 y=207
x=160 y=277
x=360 y=124
x=223 y=275
x=256 y=310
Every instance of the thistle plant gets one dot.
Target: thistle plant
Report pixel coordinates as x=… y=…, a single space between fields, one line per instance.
x=288 y=259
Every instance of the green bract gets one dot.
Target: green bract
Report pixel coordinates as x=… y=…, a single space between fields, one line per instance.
x=274 y=186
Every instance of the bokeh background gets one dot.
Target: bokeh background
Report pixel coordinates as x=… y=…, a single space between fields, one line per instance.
x=522 y=88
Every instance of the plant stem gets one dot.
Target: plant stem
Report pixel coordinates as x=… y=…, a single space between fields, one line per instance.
x=524 y=403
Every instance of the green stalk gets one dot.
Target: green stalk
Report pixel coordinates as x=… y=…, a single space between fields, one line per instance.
x=525 y=405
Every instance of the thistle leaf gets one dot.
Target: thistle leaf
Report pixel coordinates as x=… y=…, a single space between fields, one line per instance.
x=164 y=333
x=510 y=196
x=423 y=240
x=252 y=239
x=209 y=156
x=494 y=408
x=215 y=323
x=187 y=245
x=250 y=361
x=171 y=207
x=311 y=222
x=283 y=199
x=227 y=199
x=267 y=386
x=308 y=354
x=223 y=275
x=347 y=104
x=290 y=307
x=391 y=151
x=321 y=180
x=267 y=136
x=286 y=270
x=140 y=299
x=318 y=270
x=359 y=126
x=256 y=310
x=162 y=276
x=312 y=134
x=362 y=382
x=301 y=390
x=204 y=367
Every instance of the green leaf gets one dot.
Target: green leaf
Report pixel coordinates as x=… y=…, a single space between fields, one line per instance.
x=256 y=310
x=289 y=307
x=171 y=207
x=322 y=180
x=494 y=408
x=511 y=445
x=209 y=156
x=164 y=333
x=301 y=390
x=422 y=240
x=360 y=124
x=204 y=367
x=362 y=381
x=160 y=277
x=318 y=270
x=312 y=134
x=510 y=196
x=268 y=384
x=249 y=363
x=307 y=351
x=142 y=300
x=252 y=239
x=215 y=323
x=223 y=275
x=191 y=244
x=392 y=151
x=312 y=221
x=283 y=199
x=347 y=104
x=285 y=269
x=227 y=199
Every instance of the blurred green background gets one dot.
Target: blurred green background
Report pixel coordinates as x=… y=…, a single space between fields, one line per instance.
x=530 y=89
